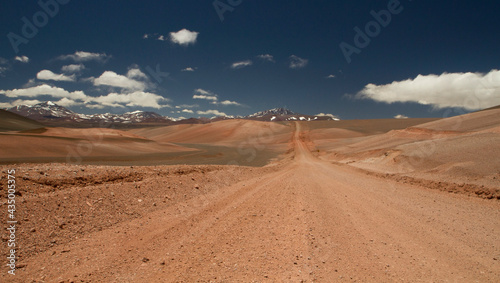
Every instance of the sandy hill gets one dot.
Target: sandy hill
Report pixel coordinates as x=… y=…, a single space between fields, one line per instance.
x=228 y=132
x=13 y=122
x=77 y=145
x=245 y=142
x=457 y=149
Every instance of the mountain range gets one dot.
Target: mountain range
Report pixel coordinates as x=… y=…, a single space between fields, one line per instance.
x=52 y=114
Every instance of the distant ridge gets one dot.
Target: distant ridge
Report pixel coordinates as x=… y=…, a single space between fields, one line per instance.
x=284 y=114
x=52 y=114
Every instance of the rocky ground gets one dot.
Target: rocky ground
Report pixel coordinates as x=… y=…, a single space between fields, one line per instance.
x=298 y=219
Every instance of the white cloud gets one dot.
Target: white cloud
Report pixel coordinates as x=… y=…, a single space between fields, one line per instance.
x=65 y=102
x=266 y=57
x=330 y=77
x=297 y=62
x=211 y=112
x=72 y=68
x=67 y=99
x=187 y=106
x=18 y=102
x=471 y=91
x=184 y=37
x=162 y=38
x=202 y=91
x=227 y=102
x=22 y=59
x=134 y=99
x=110 y=78
x=206 y=97
x=83 y=56
x=188 y=69
x=241 y=64
x=136 y=73
x=204 y=94
x=334 y=117
x=187 y=111
x=48 y=75
x=400 y=116
x=45 y=90
x=145 y=36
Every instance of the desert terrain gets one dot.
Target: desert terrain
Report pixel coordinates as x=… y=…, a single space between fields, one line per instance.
x=414 y=200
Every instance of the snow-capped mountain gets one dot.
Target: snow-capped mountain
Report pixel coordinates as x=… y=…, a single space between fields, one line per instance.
x=283 y=114
x=273 y=112
x=41 y=111
x=51 y=112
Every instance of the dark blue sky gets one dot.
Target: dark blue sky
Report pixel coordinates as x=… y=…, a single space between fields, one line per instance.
x=457 y=41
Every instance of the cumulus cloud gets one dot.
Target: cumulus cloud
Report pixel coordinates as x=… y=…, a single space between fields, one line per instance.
x=187 y=111
x=184 y=37
x=22 y=59
x=45 y=90
x=66 y=102
x=471 y=91
x=188 y=69
x=18 y=102
x=130 y=82
x=136 y=73
x=187 y=106
x=227 y=103
x=330 y=77
x=241 y=64
x=83 y=56
x=134 y=99
x=204 y=94
x=400 y=116
x=67 y=99
x=211 y=112
x=266 y=57
x=297 y=62
x=48 y=75
x=334 y=117
x=72 y=68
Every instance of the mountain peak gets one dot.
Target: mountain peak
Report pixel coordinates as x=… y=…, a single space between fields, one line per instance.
x=275 y=111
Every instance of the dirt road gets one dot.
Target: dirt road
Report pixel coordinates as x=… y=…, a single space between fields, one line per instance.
x=309 y=220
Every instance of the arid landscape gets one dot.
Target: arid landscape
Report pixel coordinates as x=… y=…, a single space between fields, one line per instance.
x=253 y=201
x=249 y=141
